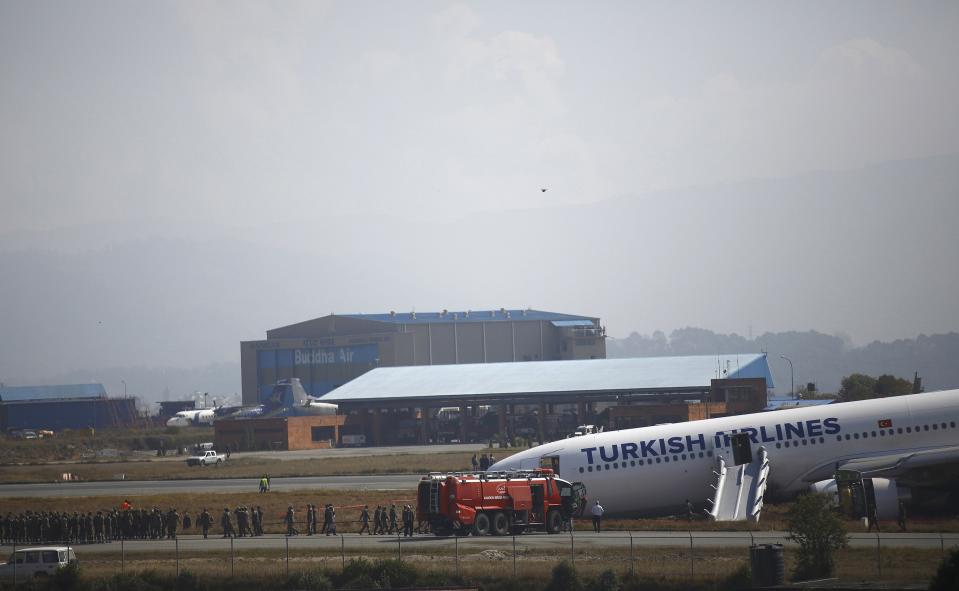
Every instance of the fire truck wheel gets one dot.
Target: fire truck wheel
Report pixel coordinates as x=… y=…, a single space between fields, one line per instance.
x=481 y=525
x=554 y=522
x=500 y=524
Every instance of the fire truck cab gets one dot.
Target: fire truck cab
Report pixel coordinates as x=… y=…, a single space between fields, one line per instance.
x=498 y=503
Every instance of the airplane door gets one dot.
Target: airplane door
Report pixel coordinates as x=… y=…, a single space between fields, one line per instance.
x=551 y=462
x=742 y=449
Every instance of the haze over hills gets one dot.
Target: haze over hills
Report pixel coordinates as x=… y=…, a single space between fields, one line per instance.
x=869 y=253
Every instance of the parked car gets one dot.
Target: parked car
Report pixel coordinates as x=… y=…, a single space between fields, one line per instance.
x=36 y=563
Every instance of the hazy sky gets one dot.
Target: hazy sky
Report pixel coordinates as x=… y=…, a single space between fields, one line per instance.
x=356 y=132
x=247 y=112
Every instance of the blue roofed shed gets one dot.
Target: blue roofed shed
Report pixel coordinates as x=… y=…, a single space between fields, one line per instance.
x=21 y=393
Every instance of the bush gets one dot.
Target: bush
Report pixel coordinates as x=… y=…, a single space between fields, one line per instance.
x=186 y=581
x=947 y=577
x=564 y=578
x=312 y=580
x=817 y=529
x=606 y=581
x=741 y=578
x=66 y=578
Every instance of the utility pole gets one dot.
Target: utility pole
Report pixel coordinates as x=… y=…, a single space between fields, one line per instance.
x=792 y=382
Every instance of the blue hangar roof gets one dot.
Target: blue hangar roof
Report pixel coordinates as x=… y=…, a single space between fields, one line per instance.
x=501 y=315
x=20 y=393
x=650 y=374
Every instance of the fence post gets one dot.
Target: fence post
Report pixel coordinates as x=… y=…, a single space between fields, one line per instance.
x=456 y=556
x=15 y=561
x=232 y=564
x=399 y=549
x=942 y=545
x=343 y=550
x=572 y=549
x=288 y=555
x=878 y=556
x=631 y=567
x=514 y=556
x=176 y=554
x=690 y=553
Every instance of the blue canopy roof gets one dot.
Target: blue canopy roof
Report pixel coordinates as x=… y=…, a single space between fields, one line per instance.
x=18 y=393
x=645 y=374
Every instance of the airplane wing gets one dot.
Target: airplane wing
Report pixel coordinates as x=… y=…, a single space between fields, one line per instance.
x=894 y=464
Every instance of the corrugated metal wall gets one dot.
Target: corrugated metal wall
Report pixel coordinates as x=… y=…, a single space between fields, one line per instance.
x=68 y=414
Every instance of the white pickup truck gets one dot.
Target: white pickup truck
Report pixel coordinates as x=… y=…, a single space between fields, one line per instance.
x=207 y=458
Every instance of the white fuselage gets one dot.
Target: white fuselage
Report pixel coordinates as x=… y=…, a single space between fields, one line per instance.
x=655 y=469
x=188 y=418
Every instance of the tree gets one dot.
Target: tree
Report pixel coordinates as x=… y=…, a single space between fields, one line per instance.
x=813 y=524
x=862 y=387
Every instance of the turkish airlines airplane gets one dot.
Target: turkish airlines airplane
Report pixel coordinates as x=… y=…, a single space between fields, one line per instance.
x=653 y=470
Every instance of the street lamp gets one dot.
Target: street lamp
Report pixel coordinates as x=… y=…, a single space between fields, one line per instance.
x=124 y=388
x=792 y=382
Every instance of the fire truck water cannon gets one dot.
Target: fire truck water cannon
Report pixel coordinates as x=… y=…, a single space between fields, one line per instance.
x=497 y=503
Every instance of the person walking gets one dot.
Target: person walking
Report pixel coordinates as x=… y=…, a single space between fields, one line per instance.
x=263 y=484
x=407 y=521
x=901 y=518
x=290 y=521
x=377 y=518
x=365 y=521
x=598 y=511
x=226 y=522
x=393 y=526
x=310 y=515
x=474 y=462
x=187 y=522
x=331 y=527
x=205 y=521
x=483 y=463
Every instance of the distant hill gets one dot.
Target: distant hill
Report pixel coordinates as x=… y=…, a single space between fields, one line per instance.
x=816 y=357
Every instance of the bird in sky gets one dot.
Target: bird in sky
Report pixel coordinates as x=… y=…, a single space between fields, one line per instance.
x=543 y=190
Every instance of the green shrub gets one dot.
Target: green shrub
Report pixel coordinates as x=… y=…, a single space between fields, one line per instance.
x=66 y=578
x=186 y=581
x=311 y=580
x=947 y=577
x=814 y=525
x=607 y=580
x=564 y=578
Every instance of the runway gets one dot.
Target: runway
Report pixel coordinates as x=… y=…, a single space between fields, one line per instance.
x=123 y=488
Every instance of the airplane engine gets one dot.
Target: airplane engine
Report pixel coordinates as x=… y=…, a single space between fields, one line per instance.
x=885 y=492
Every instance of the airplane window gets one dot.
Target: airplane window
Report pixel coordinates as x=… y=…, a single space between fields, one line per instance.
x=935 y=427
x=786 y=443
x=952 y=424
x=675 y=458
x=838 y=437
x=882 y=432
x=581 y=470
x=778 y=445
x=899 y=430
x=684 y=456
x=908 y=429
x=658 y=460
x=666 y=459
x=804 y=442
x=855 y=435
x=847 y=436
x=709 y=453
x=640 y=462
x=917 y=428
x=590 y=468
x=873 y=433
x=925 y=427
x=632 y=463
x=943 y=425
x=811 y=441
x=701 y=454
x=822 y=440
x=616 y=465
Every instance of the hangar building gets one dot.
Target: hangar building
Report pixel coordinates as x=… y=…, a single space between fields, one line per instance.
x=546 y=400
x=73 y=406
x=327 y=352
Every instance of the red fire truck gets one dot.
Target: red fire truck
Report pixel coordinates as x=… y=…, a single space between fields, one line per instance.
x=498 y=503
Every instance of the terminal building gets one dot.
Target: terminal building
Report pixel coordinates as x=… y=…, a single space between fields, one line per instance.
x=328 y=352
x=545 y=400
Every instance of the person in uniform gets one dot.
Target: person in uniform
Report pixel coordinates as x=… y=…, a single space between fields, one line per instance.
x=377 y=520
x=187 y=522
x=227 y=523
x=331 y=527
x=365 y=521
x=901 y=518
x=290 y=521
x=205 y=521
x=393 y=526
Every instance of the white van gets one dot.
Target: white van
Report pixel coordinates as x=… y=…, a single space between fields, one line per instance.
x=42 y=561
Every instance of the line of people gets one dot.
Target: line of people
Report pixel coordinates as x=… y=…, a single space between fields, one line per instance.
x=128 y=523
